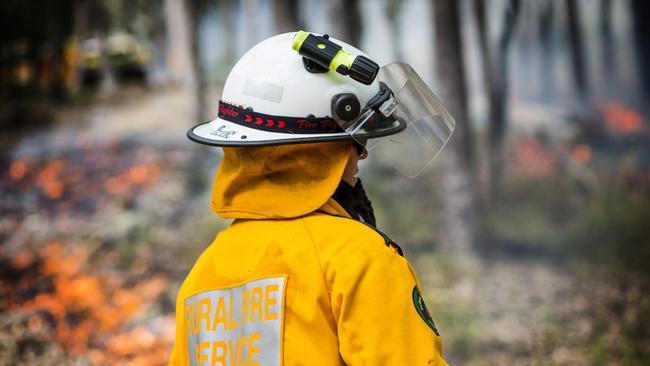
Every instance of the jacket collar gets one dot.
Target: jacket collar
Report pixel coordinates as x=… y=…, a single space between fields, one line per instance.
x=331 y=207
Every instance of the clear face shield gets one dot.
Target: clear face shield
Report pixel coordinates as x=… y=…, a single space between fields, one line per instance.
x=405 y=99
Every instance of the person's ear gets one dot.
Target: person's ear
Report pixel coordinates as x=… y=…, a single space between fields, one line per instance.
x=364 y=154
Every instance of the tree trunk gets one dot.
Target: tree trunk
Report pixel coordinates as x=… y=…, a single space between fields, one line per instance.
x=194 y=10
x=578 y=59
x=250 y=10
x=495 y=73
x=640 y=10
x=285 y=13
x=499 y=97
x=486 y=61
x=607 y=40
x=459 y=219
x=226 y=18
x=546 y=25
x=179 y=63
x=345 y=20
x=393 y=9
x=182 y=54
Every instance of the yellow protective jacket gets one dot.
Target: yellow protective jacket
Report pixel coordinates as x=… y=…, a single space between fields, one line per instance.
x=294 y=280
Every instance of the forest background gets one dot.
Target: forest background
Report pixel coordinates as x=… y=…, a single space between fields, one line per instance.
x=529 y=232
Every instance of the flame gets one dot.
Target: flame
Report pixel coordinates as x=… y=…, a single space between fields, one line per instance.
x=117 y=186
x=49 y=179
x=621 y=118
x=582 y=154
x=534 y=158
x=51 y=171
x=22 y=260
x=141 y=175
x=17 y=170
x=87 y=179
x=88 y=314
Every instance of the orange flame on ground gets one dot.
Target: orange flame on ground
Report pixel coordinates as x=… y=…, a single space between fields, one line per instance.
x=55 y=177
x=534 y=158
x=582 y=154
x=90 y=315
x=137 y=176
x=621 y=118
x=49 y=179
x=17 y=170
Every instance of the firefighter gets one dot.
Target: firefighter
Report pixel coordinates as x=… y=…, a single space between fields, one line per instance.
x=302 y=276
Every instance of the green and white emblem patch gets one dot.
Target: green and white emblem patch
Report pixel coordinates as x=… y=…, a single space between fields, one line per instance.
x=421 y=308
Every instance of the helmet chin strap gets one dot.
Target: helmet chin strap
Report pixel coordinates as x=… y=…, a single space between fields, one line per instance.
x=360 y=145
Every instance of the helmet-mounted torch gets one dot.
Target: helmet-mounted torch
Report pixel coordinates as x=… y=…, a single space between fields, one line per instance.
x=321 y=55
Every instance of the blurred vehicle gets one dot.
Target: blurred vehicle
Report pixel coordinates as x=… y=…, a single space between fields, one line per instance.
x=90 y=54
x=122 y=54
x=128 y=57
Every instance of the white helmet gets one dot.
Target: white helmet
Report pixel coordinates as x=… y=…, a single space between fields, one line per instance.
x=326 y=91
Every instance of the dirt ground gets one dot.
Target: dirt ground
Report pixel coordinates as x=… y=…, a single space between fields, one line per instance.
x=514 y=312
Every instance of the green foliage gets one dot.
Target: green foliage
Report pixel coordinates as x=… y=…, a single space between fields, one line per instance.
x=535 y=210
x=613 y=229
x=406 y=209
x=554 y=216
x=450 y=312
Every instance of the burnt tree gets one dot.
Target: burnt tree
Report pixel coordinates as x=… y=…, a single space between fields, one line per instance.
x=545 y=31
x=495 y=77
x=576 y=47
x=607 y=50
x=459 y=218
x=345 y=20
x=285 y=14
x=640 y=9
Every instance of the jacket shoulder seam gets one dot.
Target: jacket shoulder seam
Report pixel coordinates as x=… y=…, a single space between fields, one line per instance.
x=387 y=240
x=320 y=264
x=329 y=291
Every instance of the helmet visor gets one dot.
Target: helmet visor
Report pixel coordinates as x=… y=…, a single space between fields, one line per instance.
x=428 y=126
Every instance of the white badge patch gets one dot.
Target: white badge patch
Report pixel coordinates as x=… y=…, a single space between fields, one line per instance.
x=264 y=90
x=240 y=325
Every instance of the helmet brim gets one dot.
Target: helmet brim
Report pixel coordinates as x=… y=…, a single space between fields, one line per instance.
x=219 y=132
